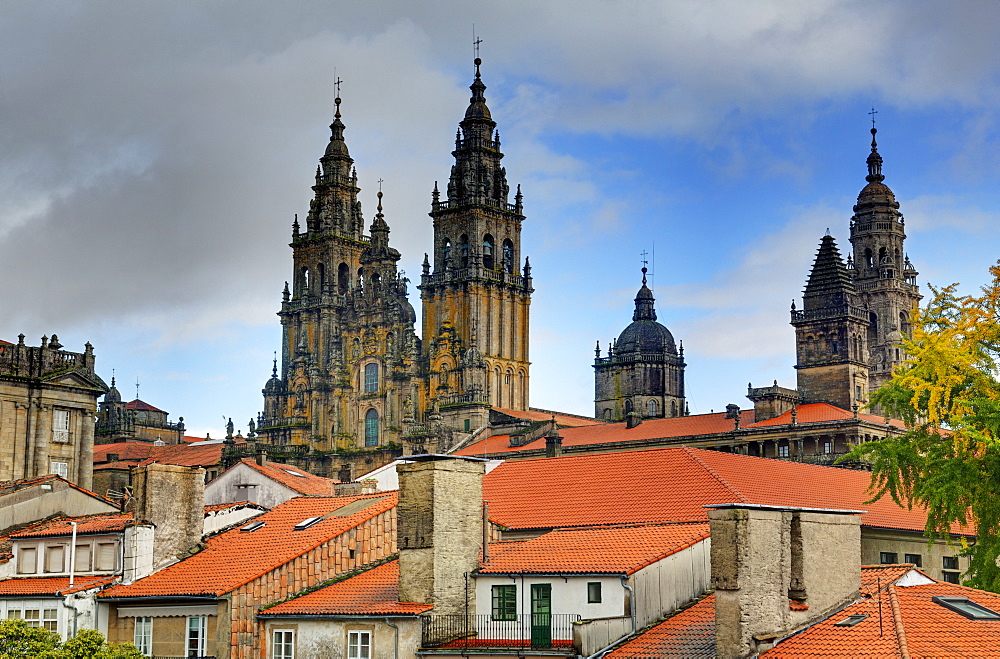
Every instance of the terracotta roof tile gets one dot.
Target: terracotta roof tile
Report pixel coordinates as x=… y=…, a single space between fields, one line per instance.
x=562 y=419
x=673 y=485
x=12 y=486
x=689 y=633
x=85 y=525
x=236 y=557
x=216 y=507
x=900 y=618
x=143 y=406
x=51 y=585
x=126 y=451
x=606 y=433
x=614 y=550
x=294 y=478
x=373 y=592
x=819 y=413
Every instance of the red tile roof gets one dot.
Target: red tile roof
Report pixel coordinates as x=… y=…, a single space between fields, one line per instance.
x=142 y=406
x=85 y=525
x=217 y=507
x=7 y=487
x=673 y=485
x=51 y=585
x=186 y=455
x=236 y=557
x=819 y=413
x=614 y=550
x=607 y=433
x=903 y=620
x=562 y=419
x=689 y=633
x=126 y=451
x=373 y=592
x=293 y=478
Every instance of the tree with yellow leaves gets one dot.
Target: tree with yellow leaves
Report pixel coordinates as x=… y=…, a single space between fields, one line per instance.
x=949 y=395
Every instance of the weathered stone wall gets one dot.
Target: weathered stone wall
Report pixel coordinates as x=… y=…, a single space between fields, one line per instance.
x=172 y=498
x=440 y=531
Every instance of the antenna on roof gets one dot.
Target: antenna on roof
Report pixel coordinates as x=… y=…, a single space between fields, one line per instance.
x=137 y=387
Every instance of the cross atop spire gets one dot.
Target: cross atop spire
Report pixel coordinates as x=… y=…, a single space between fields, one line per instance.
x=872 y=114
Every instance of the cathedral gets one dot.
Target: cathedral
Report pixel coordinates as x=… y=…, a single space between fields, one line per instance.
x=353 y=372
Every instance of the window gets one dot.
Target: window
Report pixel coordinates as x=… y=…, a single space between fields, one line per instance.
x=949 y=562
x=343 y=277
x=359 y=645
x=594 y=592
x=107 y=557
x=850 y=621
x=55 y=558
x=488 y=262
x=60 y=426
x=508 y=257
x=196 y=635
x=371 y=428
x=505 y=602
x=45 y=618
x=27 y=560
x=283 y=644
x=916 y=559
x=371 y=378
x=83 y=556
x=783 y=450
x=967 y=608
x=651 y=408
x=59 y=468
x=252 y=526
x=306 y=523
x=835 y=347
x=463 y=248
x=143 y=637
x=950 y=577
x=887 y=557
x=827 y=447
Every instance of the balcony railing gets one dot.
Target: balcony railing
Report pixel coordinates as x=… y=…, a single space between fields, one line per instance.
x=539 y=630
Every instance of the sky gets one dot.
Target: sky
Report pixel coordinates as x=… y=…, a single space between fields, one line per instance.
x=153 y=156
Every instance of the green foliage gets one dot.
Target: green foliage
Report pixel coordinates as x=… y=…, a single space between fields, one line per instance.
x=949 y=395
x=20 y=641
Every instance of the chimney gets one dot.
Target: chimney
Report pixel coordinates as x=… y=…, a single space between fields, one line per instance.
x=632 y=419
x=439 y=530
x=763 y=557
x=553 y=444
x=173 y=499
x=344 y=475
x=261 y=455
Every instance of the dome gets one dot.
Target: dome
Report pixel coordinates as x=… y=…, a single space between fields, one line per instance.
x=273 y=386
x=645 y=336
x=113 y=396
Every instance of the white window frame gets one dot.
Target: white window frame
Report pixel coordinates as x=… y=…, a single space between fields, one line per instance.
x=59 y=468
x=359 y=644
x=52 y=551
x=143 y=635
x=60 y=425
x=282 y=644
x=22 y=553
x=100 y=552
x=197 y=631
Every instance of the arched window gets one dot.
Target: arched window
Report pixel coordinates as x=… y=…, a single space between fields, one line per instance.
x=628 y=406
x=371 y=378
x=651 y=408
x=508 y=257
x=305 y=281
x=376 y=280
x=904 y=323
x=322 y=277
x=361 y=278
x=488 y=252
x=463 y=248
x=882 y=256
x=607 y=415
x=673 y=408
x=835 y=347
x=446 y=249
x=343 y=278
x=371 y=427
x=869 y=259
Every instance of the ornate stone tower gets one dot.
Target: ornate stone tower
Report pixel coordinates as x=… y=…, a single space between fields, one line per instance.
x=883 y=274
x=853 y=318
x=643 y=373
x=350 y=356
x=476 y=296
x=831 y=334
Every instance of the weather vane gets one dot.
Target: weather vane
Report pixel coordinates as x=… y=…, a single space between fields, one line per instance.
x=137 y=387
x=872 y=114
x=645 y=261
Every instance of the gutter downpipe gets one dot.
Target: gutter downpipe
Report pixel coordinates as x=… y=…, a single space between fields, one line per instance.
x=72 y=555
x=395 y=642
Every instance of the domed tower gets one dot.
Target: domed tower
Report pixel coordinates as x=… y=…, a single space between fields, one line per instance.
x=882 y=271
x=643 y=371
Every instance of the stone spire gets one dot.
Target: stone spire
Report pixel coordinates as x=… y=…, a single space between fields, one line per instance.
x=477 y=177
x=335 y=207
x=829 y=282
x=874 y=162
x=644 y=309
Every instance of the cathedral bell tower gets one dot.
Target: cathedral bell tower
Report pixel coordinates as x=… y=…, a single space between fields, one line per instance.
x=882 y=271
x=476 y=295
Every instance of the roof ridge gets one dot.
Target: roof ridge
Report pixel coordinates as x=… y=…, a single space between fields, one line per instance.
x=722 y=481
x=897 y=621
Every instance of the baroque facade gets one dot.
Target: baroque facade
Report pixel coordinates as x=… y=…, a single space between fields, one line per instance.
x=353 y=372
x=48 y=397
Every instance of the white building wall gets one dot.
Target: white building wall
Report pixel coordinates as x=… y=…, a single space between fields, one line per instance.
x=256 y=488
x=675 y=580
x=328 y=638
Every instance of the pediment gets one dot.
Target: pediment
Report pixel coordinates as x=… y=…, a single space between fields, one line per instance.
x=75 y=378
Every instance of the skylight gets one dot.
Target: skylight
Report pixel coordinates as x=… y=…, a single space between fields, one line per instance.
x=294 y=473
x=850 y=621
x=966 y=607
x=306 y=523
x=252 y=526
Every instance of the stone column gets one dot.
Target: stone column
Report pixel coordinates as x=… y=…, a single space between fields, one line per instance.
x=85 y=450
x=43 y=435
